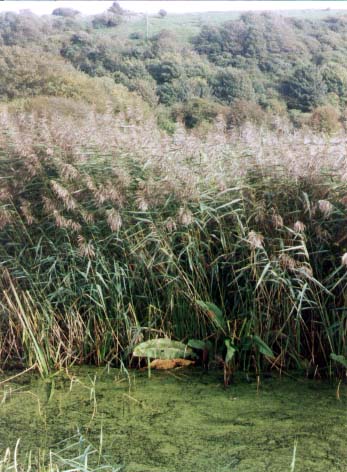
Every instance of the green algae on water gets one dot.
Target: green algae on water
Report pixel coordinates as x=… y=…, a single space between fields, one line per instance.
x=180 y=420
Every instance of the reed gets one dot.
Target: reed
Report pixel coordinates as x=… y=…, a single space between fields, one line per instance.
x=111 y=232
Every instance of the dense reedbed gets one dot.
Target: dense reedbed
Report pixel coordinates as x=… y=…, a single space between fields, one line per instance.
x=112 y=232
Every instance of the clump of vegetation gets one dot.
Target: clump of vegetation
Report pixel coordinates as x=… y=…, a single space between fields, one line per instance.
x=162 y=13
x=325 y=118
x=24 y=77
x=66 y=12
x=194 y=112
x=255 y=59
x=113 y=232
x=244 y=111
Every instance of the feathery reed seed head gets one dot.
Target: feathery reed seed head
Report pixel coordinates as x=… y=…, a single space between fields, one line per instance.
x=325 y=207
x=170 y=225
x=277 y=221
x=142 y=204
x=185 y=216
x=305 y=271
x=86 y=249
x=255 y=240
x=299 y=227
x=5 y=217
x=64 y=195
x=287 y=262
x=114 y=219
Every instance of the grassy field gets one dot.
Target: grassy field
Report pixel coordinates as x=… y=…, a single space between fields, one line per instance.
x=186 y=26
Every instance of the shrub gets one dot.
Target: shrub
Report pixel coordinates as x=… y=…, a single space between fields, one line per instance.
x=162 y=13
x=298 y=118
x=44 y=74
x=193 y=112
x=44 y=106
x=106 y=20
x=325 y=119
x=136 y=35
x=165 y=41
x=165 y=120
x=145 y=88
x=243 y=111
x=335 y=78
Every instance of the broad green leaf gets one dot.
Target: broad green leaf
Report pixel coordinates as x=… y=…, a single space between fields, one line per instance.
x=339 y=358
x=231 y=349
x=197 y=344
x=262 y=346
x=214 y=313
x=163 y=348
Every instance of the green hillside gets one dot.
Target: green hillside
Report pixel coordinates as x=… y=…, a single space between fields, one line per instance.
x=190 y=68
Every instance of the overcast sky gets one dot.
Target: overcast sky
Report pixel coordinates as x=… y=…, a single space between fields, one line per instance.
x=177 y=6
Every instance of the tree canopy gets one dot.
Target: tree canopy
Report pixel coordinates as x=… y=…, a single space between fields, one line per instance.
x=280 y=64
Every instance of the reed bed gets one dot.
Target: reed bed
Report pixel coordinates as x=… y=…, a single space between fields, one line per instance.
x=112 y=231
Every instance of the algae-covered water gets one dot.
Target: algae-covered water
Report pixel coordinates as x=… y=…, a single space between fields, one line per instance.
x=181 y=420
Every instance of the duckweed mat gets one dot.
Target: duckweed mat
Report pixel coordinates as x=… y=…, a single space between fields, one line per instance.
x=180 y=420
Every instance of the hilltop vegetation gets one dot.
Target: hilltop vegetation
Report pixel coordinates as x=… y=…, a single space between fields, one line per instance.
x=253 y=67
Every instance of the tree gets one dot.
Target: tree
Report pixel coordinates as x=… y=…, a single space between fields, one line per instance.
x=171 y=92
x=164 y=71
x=335 y=78
x=67 y=12
x=230 y=84
x=116 y=9
x=305 y=89
x=95 y=57
x=19 y=29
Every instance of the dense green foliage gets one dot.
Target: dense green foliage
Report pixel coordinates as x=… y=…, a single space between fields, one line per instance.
x=287 y=66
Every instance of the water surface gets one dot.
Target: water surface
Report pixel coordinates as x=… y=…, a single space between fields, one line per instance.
x=181 y=420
